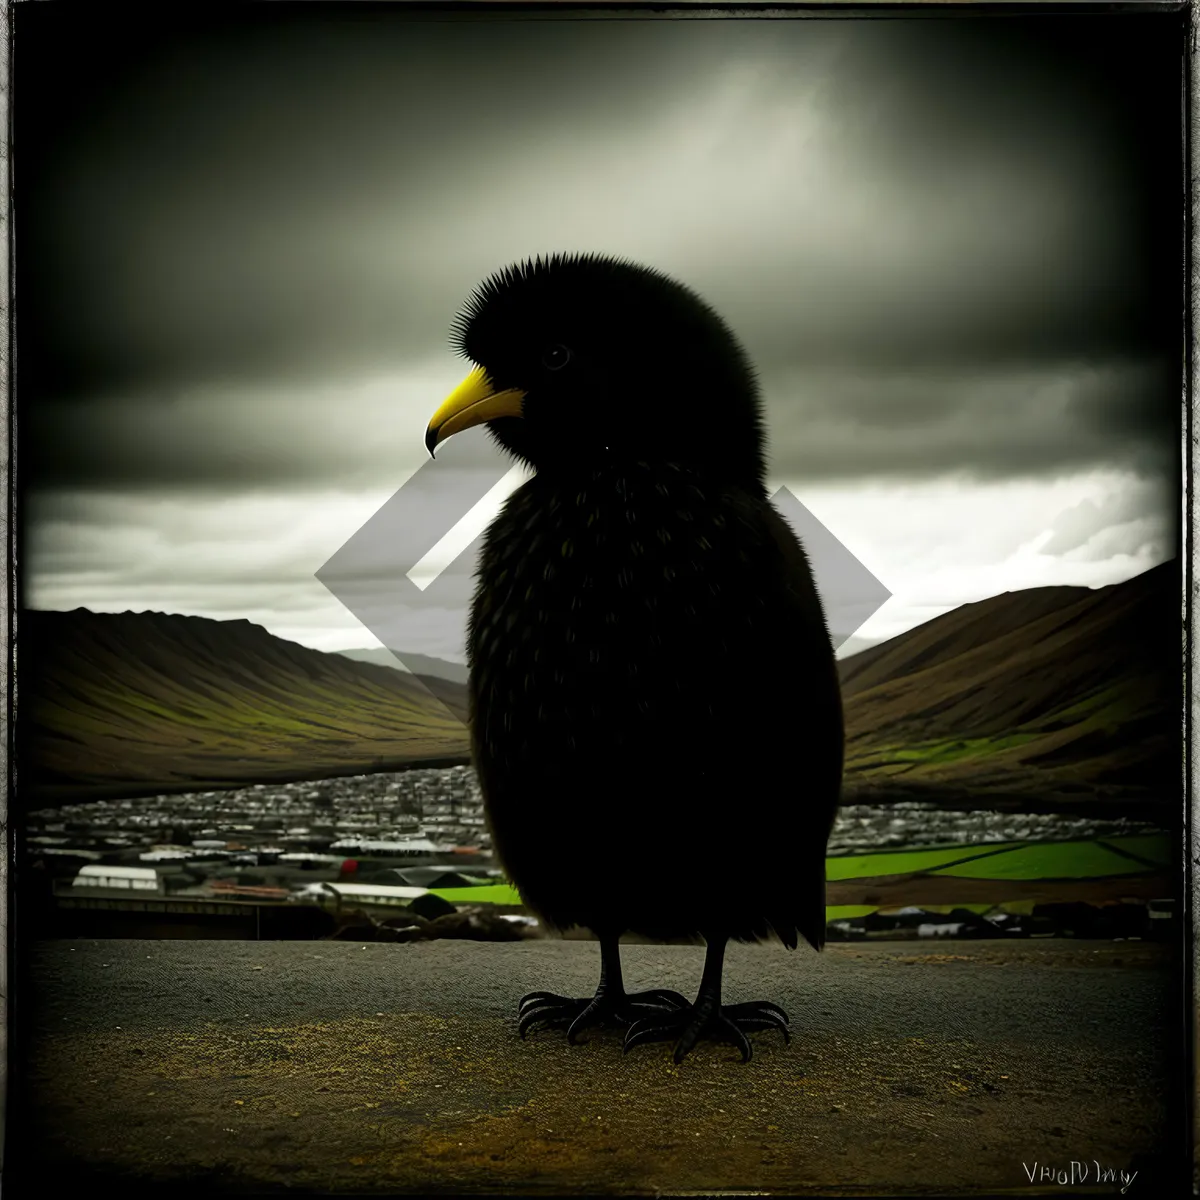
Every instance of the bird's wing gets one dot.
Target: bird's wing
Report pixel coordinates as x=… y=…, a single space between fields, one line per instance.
x=799 y=720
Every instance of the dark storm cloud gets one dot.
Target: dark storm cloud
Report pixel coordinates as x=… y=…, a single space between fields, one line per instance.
x=824 y=424
x=203 y=199
x=916 y=227
x=246 y=440
x=1022 y=422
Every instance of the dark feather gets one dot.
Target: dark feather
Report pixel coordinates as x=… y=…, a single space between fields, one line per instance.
x=656 y=717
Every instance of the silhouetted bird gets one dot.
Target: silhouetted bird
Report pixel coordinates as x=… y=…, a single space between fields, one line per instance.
x=656 y=719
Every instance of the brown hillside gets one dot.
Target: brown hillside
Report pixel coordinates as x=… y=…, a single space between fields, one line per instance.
x=136 y=702
x=1052 y=696
x=1043 y=699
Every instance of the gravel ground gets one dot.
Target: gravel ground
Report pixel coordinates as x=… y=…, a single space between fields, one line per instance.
x=229 y=1066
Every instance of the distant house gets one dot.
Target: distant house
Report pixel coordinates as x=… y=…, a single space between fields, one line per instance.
x=425 y=877
x=69 y=852
x=138 y=879
x=399 y=846
x=165 y=854
x=361 y=893
x=231 y=887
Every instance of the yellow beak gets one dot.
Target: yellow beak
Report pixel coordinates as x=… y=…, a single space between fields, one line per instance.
x=471 y=403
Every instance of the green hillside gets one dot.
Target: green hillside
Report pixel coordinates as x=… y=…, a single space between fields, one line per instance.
x=1049 y=698
x=144 y=702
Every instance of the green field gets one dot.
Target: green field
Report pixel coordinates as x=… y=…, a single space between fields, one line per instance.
x=1102 y=858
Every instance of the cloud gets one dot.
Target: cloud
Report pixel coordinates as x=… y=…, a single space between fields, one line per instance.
x=933 y=545
x=938 y=544
x=823 y=423
x=989 y=424
x=241 y=238
x=1143 y=538
x=135 y=542
x=360 y=433
x=314 y=197
x=1139 y=509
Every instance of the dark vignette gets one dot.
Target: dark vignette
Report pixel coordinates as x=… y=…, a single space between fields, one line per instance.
x=36 y=27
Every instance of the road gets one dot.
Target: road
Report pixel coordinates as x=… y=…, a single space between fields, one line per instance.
x=915 y=1067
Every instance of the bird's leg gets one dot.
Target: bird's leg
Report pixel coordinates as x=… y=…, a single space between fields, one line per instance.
x=708 y=1018
x=611 y=1005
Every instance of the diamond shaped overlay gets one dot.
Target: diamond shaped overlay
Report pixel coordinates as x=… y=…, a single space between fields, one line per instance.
x=386 y=575
x=849 y=592
x=408 y=573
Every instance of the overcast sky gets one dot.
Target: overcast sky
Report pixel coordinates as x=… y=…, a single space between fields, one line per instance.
x=952 y=247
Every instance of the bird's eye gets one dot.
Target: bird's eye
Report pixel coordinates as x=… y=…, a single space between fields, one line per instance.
x=554 y=358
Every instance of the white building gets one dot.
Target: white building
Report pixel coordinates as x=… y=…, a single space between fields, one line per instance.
x=362 y=893
x=138 y=879
x=399 y=846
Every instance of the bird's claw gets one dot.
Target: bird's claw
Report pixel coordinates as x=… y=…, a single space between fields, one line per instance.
x=771 y=1015
x=727 y=1024
x=534 y=997
x=659 y=996
x=591 y=1011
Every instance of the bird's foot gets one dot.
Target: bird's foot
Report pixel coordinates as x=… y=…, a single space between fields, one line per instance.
x=604 y=1008
x=716 y=1023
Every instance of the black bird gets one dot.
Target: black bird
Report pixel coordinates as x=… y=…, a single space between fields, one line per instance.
x=655 y=712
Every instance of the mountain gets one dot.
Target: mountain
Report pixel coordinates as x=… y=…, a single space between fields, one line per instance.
x=419 y=664
x=124 y=703
x=1040 y=700
x=1051 y=698
x=855 y=645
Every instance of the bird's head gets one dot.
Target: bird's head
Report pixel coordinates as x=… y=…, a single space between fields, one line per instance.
x=584 y=360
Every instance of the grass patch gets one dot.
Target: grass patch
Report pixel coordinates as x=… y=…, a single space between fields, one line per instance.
x=846 y=912
x=1056 y=860
x=1108 y=705
x=952 y=751
x=902 y=862
x=496 y=893
x=896 y=760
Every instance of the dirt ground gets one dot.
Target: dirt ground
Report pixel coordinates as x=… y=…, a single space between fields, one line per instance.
x=958 y=1067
